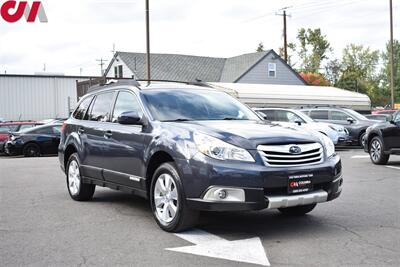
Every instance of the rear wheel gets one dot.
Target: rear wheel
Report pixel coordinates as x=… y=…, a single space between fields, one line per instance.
x=77 y=189
x=361 y=139
x=168 y=201
x=298 y=210
x=31 y=150
x=376 y=152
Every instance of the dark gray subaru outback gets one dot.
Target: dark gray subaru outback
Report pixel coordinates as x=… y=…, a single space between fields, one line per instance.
x=189 y=148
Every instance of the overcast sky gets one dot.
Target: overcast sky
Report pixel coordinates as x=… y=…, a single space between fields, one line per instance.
x=81 y=31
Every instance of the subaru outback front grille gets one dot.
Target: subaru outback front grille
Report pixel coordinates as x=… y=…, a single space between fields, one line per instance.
x=291 y=154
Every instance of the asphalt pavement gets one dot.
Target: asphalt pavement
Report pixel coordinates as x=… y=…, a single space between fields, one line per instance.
x=41 y=226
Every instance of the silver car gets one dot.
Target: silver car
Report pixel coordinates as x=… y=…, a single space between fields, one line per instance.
x=290 y=117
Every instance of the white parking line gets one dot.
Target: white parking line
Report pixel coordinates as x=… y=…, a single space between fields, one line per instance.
x=360 y=157
x=393 y=167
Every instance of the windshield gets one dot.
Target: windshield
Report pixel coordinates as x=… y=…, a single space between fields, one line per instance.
x=357 y=115
x=305 y=117
x=193 y=105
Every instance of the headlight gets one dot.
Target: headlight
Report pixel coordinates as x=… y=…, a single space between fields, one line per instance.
x=219 y=149
x=329 y=146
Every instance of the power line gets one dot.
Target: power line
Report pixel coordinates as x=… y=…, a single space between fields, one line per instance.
x=102 y=63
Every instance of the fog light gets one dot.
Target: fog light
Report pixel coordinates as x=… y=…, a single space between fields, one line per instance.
x=222 y=194
x=218 y=193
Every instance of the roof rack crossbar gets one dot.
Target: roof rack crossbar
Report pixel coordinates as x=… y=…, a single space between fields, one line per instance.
x=114 y=82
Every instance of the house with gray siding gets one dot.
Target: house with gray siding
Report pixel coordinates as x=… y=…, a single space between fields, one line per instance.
x=256 y=68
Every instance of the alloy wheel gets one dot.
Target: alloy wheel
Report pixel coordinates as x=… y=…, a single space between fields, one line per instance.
x=74 y=178
x=376 y=150
x=165 y=198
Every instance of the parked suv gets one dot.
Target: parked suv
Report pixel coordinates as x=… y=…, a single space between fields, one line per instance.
x=383 y=139
x=290 y=117
x=354 y=122
x=189 y=148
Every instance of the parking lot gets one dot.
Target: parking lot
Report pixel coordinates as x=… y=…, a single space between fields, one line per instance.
x=41 y=226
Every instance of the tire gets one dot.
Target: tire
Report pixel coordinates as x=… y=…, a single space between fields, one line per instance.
x=78 y=190
x=361 y=139
x=167 y=197
x=298 y=210
x=31 y=150
x=376 y=153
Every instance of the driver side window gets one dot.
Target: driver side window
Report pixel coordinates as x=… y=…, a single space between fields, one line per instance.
x=397 y=117
x=125 y=102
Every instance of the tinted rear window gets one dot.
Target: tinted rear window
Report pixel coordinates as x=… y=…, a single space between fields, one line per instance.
x=101 y=107
x=319 y=114
x=81 y=110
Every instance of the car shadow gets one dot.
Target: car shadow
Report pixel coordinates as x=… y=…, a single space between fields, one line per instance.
x=237 y=225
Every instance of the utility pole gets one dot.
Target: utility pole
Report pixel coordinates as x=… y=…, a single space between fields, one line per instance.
x=148 y=41
x=102 y=63
x=391 y=55
x=284 y=32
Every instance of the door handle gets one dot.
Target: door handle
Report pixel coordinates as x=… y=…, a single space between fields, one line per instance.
x=81 y=130
x=107 y=134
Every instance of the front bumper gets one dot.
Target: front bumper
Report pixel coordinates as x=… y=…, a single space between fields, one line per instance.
x=12 y=149
x=267 y=189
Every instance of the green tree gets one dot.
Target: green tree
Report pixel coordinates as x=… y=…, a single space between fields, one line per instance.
x=260 y=47
x=386 y=73
x=333 y=71
x=290 y=50
x=312 y=49
x=358 y=71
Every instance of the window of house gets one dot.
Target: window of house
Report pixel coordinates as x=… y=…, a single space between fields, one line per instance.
x=120 y=71
x=116 y=72
x=272 y=70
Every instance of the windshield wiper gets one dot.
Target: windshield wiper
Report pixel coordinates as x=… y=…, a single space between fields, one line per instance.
x=232 y=119
x=176 y=120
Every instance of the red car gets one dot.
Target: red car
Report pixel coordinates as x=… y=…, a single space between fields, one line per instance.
x=13 y=126
x=383 y=111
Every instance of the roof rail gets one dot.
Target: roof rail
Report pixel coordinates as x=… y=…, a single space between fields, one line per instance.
x=197 y=82
x=114 y=82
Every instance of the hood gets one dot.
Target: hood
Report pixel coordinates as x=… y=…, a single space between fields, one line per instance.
x=250 y=134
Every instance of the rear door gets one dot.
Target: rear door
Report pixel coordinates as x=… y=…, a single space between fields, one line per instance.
x=94 y=129
x=124 y=147
x=319 y=115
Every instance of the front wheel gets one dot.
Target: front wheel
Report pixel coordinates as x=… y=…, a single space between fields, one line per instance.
x=31 y=150
x=168 y=201
x=298 y=210
x=77 y=189
x=376 y=152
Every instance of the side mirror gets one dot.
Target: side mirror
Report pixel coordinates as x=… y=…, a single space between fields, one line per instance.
x=130 y=118
x=298 y=122
x=262 y=115
x=350 y=120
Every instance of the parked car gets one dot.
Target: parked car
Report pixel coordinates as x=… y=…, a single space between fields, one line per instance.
x=34 y=142
x=13 y=126
x=2 y=120
x=189 y=148
x=379 y=117
x=383 y=139
x=354 y=122
x=383 y=111
x=290 y=117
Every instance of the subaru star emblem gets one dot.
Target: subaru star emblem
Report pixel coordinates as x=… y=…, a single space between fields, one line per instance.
x=295 y=150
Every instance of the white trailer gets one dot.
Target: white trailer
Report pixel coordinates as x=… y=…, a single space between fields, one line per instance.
x=291 y=96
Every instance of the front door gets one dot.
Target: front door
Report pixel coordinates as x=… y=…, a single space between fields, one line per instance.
x=124 y=147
